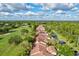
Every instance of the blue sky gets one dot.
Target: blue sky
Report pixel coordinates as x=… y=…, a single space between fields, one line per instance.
x=39 y=11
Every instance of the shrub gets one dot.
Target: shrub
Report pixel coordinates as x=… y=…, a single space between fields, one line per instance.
x=24 y=30
x=29 y=39
x=28 y=46
x=65 y=50
x=15 y=39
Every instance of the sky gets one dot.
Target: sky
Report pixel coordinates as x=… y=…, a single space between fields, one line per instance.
x=39 y=11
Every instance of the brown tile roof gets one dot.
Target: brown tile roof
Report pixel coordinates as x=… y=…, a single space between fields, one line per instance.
x=39 y=53
x=51 y=50
x=42 y=37
x=37 y=42
x=40 y=28
x=40 y=47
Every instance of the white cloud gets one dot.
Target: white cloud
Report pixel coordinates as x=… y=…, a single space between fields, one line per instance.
x=59 y=11
x=4 y=13
x=54 y=6
x=9 y=7
x=21 y=9
x=69 y=4
x=13 y=7
x=30 y=13
x=47 y=6
x=29 y=7
x=19 y=14
x=18 y=6
x=74 y=9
